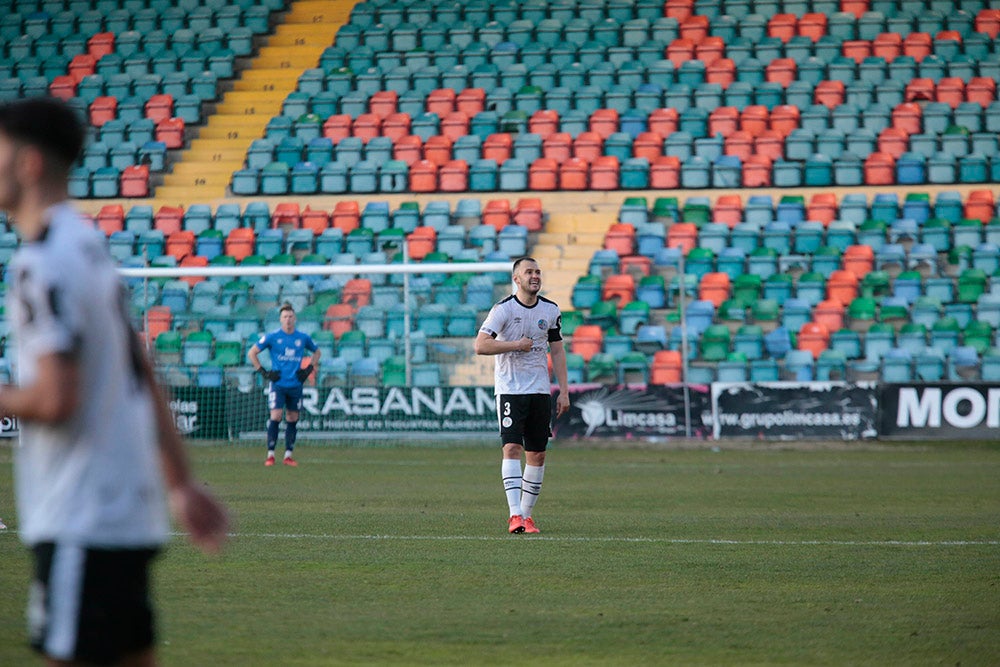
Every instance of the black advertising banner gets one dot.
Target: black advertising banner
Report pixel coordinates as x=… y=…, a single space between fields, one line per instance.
x=795 y=411
x=940 y=410
x=599 y=411
x=385 y=410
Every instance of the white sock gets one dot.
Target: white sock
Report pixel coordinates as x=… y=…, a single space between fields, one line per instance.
x=288 y=453
x=530 y=488
x=511 y=471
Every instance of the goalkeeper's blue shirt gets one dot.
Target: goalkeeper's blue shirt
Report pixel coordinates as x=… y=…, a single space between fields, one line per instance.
x=287 y=351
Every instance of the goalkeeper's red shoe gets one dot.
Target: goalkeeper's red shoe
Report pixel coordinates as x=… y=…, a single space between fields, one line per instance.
x=515 y=524
x=529 y=525
x=269 y=462
x=289 y=461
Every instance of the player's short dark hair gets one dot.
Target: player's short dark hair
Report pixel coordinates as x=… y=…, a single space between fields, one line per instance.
x=47 y=123
x=517 y=262
x=286 y=306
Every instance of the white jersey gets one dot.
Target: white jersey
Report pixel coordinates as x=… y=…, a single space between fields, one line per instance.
x=523 y=372
x=94 y=480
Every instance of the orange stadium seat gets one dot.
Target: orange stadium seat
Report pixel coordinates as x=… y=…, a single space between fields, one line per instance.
x=409 y=149
x=829 y=313
x=180 y=243
x=880 y=169
x=471 y=101
x=423 y=176
x=357 y=293
x=620 y=287
x=240 y=243
x=422 y=241
x=667 y=367
x=193 y=260
x=337 y=127
x=528 y=214
x=587 y=340
x=169 y=219
x=723 y=121
x=722 y=72
x=620 y=237
x=695 y=28
x=663 y=121
x=346 y=216
x=159 y=107
x=605 y=173
x=135 y=181
x=918 y=45
x=543 y=174
x=680 y=51
x=544 y=122
x=573 y=174
x=887 y=45
x=781 y=70
x=754 y=119
x=757 y=171
x=665 y=172
x=315 y=219
x=558 y=146
x=858 y=259
x=683 y=235
x=111 y=218
x=813 y=337
x=437 y=149
x=812 y=25
x=367 y=126
x=783 y=26
x=286 y=215
x=588 y=145
x=497 y=146
x=454 y=125
x=648 y=145
x=338 y=319
x=396 y=126
x=454 y=176
x=714 y=287
x=710 y=49
x=441 y=101
x=497 y=213
x=842 y=286
x=383 y=103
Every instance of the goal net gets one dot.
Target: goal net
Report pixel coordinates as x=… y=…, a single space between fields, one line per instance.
x=395 y=340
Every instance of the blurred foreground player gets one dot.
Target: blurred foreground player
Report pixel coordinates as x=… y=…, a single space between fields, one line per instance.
x=99 y=453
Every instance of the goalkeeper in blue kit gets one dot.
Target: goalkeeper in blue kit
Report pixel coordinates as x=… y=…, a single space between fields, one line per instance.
x=288 y=348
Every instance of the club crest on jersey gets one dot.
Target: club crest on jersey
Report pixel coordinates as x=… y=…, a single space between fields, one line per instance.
x=543 y=325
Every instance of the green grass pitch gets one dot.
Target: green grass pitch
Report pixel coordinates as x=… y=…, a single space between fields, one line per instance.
x=862 y=554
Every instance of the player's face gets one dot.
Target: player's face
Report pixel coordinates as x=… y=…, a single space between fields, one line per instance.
x=288 y=321
x=528 y=277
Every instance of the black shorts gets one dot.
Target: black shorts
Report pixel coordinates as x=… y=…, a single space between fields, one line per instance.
x=90 y=605
x=525 y=419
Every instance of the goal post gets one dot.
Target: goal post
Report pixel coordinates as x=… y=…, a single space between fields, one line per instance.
x=395 y=340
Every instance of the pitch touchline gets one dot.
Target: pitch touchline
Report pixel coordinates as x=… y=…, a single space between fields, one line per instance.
x=650 y=540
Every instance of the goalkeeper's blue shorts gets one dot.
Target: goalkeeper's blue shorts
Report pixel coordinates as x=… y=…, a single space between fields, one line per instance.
x=287 y=398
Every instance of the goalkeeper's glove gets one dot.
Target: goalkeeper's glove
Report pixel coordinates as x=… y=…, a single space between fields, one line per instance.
x=272 y=376
x=303 y=373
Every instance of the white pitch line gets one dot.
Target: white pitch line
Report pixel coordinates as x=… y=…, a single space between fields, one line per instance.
x=645 y=540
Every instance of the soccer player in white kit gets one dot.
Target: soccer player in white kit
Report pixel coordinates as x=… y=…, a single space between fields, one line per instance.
x=99 y=453
x=521 y=331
